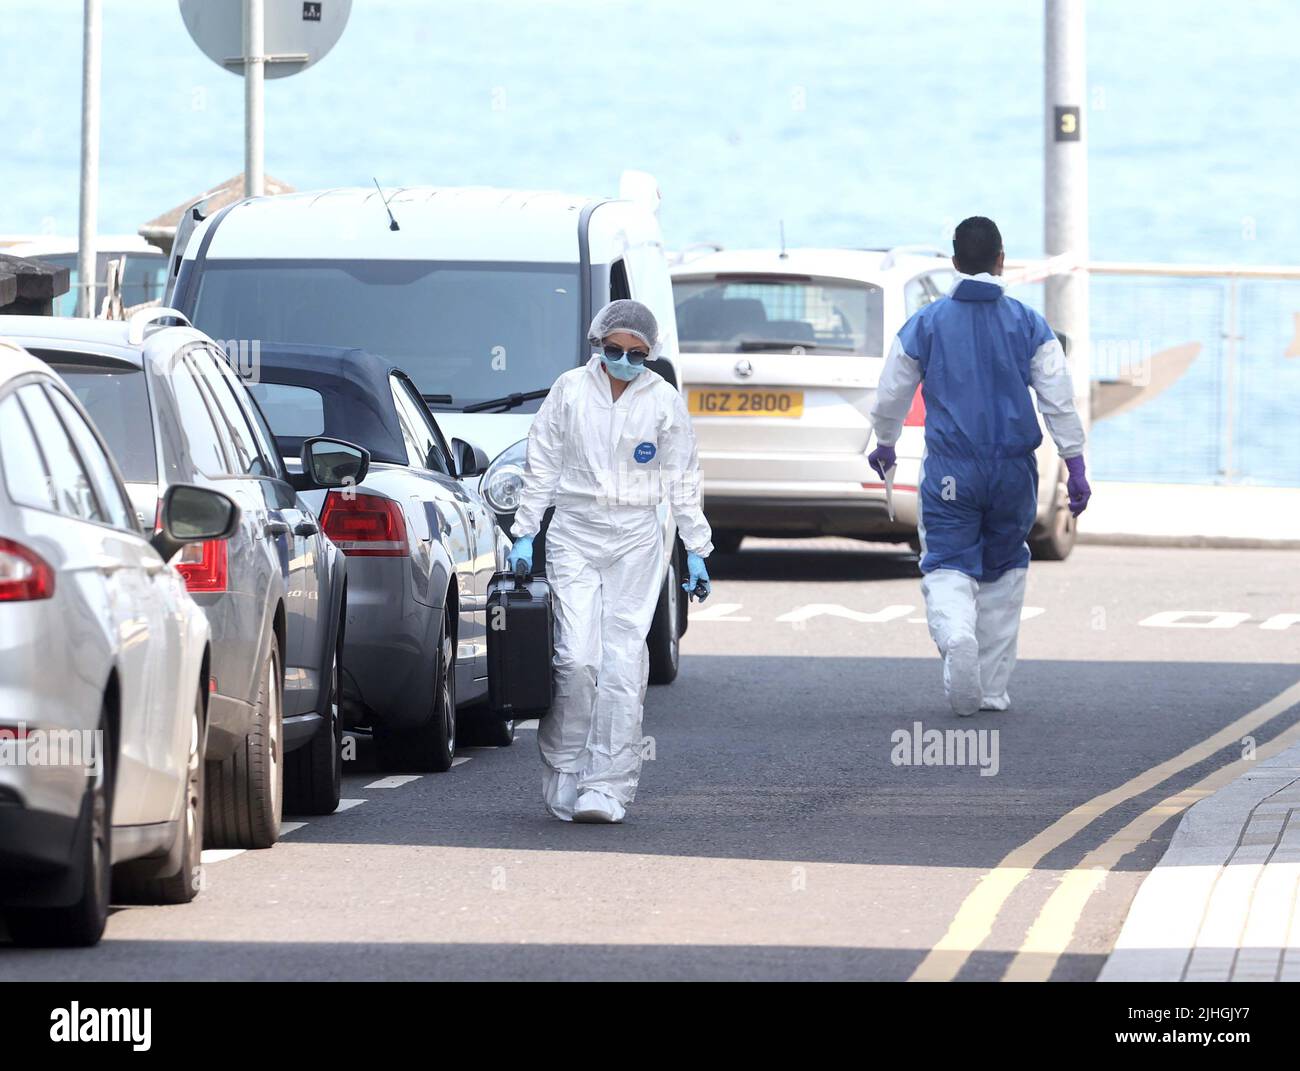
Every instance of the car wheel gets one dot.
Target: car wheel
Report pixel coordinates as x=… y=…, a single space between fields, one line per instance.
x=727 y=542
x=427 y=748
x=1056 y=539
x=135 y=882
x=82 y=922
x=313 y=775
x=664 y=640
x=245 y=791
x=480 y=726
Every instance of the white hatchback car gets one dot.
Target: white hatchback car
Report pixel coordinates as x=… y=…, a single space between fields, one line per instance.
x=103 y=673
x=780 y=355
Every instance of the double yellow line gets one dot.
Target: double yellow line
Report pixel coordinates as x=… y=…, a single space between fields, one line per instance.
x=1049 y=936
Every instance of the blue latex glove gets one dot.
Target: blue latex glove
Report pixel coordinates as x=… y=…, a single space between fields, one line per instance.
x=699 y=575
x=1077 y=484
x=882 y=459
x=521 y=551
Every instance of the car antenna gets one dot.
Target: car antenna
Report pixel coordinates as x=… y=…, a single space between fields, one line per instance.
x=784 y=254
x=392 y=223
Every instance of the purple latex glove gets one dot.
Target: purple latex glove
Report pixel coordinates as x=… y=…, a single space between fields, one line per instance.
x=882 y=459
x=1077 y=485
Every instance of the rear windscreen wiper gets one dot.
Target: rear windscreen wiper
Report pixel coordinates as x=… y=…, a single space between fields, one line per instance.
x=749 y=345
x=510 y=401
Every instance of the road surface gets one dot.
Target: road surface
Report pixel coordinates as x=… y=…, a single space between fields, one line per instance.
x=794 y=820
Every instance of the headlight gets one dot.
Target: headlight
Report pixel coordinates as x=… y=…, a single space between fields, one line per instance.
x=501 y=484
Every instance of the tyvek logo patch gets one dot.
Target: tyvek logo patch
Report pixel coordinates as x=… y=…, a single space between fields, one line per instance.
x=644 y=452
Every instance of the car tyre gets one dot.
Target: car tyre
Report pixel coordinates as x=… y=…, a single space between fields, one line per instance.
x=81 y=923
x=245 y=792
x=430 y=747
x=664 y=640
x=727 y=542
x=1055 y=540
x=133 y=883
x=313 y=775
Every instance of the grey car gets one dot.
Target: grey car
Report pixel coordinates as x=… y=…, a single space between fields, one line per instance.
x=172 y=410
x=421 y=548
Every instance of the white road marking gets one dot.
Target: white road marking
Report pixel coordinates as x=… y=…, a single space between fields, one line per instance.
x=218 y=855
x=460 y=761
x=531 y=723
x=396 y=781
x=290 y=827
x=718 y=612
x=347 y=805
x=1177 y=619
x=832 y=609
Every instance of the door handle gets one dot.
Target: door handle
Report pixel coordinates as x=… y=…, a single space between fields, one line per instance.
x=306 y=528
x=276 y=528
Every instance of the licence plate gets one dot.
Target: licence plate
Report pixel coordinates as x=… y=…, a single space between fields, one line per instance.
x=728 y=401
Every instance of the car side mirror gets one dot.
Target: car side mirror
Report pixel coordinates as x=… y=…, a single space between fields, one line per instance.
x=330 y=463
x=192 y=514
x=471 y=460
x=664 y=369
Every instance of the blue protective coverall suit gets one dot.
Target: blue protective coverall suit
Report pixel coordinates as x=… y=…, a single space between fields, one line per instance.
x=976 y=354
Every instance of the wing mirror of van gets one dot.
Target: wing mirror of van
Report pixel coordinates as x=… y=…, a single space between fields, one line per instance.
x=330 y=463
x=192 y=514
x=665 y=369
x=470 y=459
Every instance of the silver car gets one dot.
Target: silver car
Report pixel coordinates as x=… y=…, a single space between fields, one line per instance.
x=172 y=410
x=104 y=662
x=421 y=548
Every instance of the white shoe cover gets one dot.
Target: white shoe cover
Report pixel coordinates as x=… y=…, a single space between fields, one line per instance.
x=596 y=807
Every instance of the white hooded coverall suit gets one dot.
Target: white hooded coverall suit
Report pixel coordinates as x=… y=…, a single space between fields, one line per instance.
x=605 y=466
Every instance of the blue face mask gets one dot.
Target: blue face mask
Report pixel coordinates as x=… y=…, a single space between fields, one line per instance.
x=622 y=368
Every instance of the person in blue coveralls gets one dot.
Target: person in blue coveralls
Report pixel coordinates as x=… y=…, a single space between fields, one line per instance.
x=977 y=353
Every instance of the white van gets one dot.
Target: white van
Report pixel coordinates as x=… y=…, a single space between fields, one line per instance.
x=482 y=295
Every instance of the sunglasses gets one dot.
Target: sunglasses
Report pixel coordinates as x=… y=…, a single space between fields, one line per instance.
x=615 y=353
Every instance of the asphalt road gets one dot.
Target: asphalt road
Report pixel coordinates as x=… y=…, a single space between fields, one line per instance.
x=777 y=833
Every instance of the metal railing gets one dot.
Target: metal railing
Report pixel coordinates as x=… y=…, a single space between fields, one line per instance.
x=1195 y=369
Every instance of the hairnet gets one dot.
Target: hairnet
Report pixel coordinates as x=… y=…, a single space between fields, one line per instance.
x=625 y=315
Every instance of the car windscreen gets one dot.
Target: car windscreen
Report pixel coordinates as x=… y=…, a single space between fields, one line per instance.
x=472 y=330
x=117 y=400
x=779 y=314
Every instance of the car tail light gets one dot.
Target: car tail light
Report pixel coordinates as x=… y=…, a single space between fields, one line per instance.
x=24 y=574
x=205 y=567
x=365 y=525
x=916 y=415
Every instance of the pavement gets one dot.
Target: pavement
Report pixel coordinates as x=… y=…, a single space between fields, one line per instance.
x=809 y=809
x=1223 y=904
x=1192 y=515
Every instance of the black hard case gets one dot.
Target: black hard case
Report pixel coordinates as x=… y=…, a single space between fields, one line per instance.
x=520 y=644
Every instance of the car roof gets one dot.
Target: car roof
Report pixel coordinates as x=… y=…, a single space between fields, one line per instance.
x=434 y=223
x=74 y=334
x=879 y=266
x=353 y=383
x=16 y=361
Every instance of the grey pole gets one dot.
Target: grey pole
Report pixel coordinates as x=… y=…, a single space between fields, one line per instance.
x=88 y=223
x=1065 y=188
x=254 y=70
